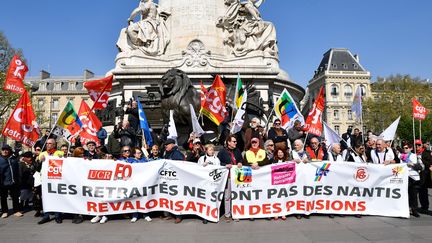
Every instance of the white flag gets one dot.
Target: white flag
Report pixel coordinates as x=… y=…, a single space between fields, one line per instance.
x=330 y=135
x=389 y=133
x=240 y=115
x=197 y=129
x=356 y=107
x=172 y=131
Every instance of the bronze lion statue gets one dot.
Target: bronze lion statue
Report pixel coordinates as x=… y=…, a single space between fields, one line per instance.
x=177 y=93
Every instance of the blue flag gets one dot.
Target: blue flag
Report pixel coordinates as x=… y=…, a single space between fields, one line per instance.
x=144 y=123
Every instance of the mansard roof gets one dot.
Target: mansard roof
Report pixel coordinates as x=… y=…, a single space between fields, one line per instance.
x=339 y=59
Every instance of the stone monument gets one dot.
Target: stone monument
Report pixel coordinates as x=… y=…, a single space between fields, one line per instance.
x=201 y=38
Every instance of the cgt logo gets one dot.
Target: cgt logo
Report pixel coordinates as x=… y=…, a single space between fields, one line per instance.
x=361 y=174
x=322 y=171
x=55 y=169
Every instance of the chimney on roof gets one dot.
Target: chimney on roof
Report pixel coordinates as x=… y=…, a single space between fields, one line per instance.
x=44 y=74
x=357 y=57
x=88 y=74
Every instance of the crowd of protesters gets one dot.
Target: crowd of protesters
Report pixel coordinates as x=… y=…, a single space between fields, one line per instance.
x=254 y=146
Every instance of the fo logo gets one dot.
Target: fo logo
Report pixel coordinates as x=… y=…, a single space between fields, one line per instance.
x=361 y=174
x=243 y=175
x=55 y=167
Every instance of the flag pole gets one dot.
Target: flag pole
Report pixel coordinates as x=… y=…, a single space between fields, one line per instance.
x=268 y=119
x=415 y=152
x=420 y=130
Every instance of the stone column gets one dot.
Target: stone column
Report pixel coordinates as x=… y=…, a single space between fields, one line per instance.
x=194 y=20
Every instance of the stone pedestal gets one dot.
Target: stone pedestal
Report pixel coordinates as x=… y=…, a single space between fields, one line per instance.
x=198 y=46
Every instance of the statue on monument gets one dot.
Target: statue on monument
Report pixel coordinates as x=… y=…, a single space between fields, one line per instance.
x=149 y=34
x=245 y=30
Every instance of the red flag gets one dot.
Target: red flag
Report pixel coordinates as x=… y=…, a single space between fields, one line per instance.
x=314 y=119
x=22 y=125
x=214 y=105
x=15 y=76
x=90 y=124
x=203 y=94
x=419 y=111
x=99 y=91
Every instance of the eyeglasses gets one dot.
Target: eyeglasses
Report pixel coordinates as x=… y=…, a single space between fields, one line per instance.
x=124 y=151
x=277 y=124
x=418 y=145
x=270 y=145
x=37 y=149
x=254 y=142
x=405 y=147
x=234 y=141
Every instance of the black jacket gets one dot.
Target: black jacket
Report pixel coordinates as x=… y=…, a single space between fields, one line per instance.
x=9 y=171
x=226 y=158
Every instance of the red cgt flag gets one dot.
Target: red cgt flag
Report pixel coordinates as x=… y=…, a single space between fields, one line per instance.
x=314 y=119
x=214 y=105
x=15 y=76
x=90 y=124
x=99 y=91
x=419 y=111
x=22 y=125
x=203 y=94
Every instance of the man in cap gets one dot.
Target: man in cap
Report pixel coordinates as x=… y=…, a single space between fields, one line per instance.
x=9 y=181
x=172 y=153
x=171 y=150
x=196 y=152
x=91 y=153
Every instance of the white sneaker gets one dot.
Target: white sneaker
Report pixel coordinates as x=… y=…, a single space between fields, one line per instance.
x=18 y=214
x=103 y=220
x=134 y=219
x=95 y=220
x=148 y=219
x=4 y=215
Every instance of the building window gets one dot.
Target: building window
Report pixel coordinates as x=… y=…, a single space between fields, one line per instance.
x=350 y=116
x=355 y=66
x=348 y=90
x=337 y=128
x=42 y=86
x=72 y=86
x=54 y=117
x=40 y=103
x=363 y=90
x=334 y=90
x=55 y=104
x=57 y=86
x=345 y=66
x=336 y=114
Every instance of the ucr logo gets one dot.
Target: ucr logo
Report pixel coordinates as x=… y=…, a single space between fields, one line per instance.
x=55 y=169
x=361 y=174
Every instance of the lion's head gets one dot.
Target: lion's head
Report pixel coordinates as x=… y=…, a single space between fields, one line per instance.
x=174 y=83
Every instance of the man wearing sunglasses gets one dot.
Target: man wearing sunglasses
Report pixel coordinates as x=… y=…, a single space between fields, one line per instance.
x=278 y=135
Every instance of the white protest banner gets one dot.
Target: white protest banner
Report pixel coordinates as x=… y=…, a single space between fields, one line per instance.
x=320 y=187
x=106 y=187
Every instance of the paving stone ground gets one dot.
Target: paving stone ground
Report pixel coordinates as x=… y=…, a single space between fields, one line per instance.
x=316 y=229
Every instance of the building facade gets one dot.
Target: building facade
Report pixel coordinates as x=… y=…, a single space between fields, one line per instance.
x=51 y=94
x=341 y=73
